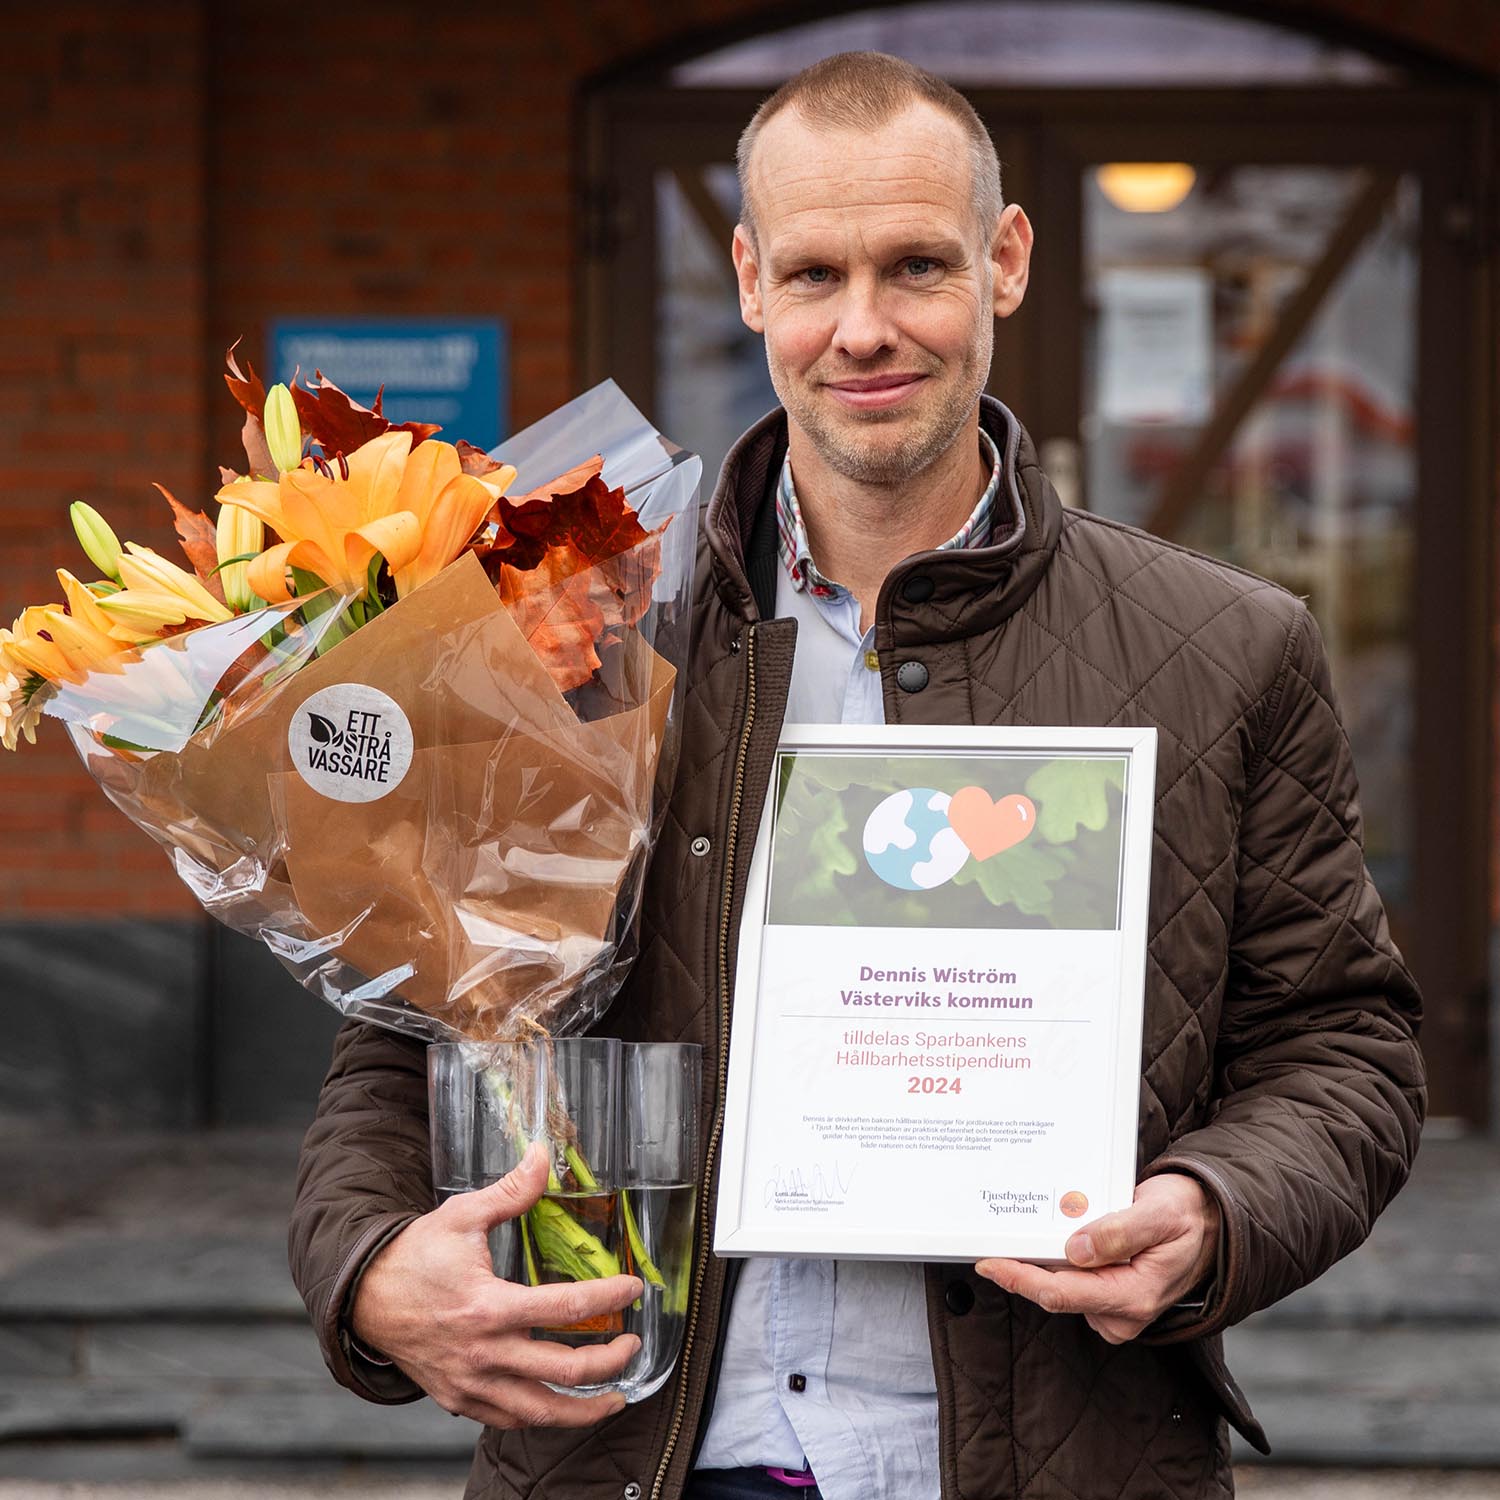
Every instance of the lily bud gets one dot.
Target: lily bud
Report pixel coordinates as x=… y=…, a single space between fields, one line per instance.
x=283 y=431
x=238 y=534
x=97 y=540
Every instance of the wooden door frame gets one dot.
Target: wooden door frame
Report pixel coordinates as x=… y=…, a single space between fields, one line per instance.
x=1046 y=138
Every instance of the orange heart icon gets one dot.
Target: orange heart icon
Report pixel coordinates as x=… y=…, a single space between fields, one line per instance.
x=989 y=828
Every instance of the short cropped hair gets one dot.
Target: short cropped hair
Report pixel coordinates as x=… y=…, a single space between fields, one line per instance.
x=862 y=91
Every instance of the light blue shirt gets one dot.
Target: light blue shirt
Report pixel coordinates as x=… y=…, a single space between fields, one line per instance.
x=866 y=1417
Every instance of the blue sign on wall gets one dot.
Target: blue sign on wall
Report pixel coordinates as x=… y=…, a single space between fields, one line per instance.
x=451 y=371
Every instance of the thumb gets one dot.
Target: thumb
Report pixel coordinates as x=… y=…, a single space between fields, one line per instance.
x=509 y=1198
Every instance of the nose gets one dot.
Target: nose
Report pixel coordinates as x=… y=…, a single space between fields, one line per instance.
x=864 y=329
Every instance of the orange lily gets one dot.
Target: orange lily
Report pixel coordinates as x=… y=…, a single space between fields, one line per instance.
x=332 y=526
x=449 y=506
x=48 y=641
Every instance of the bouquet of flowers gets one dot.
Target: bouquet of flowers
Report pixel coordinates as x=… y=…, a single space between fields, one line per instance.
x=404 y=713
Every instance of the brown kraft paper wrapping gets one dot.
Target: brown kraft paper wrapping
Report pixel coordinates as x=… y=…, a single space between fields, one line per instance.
x=493 y=866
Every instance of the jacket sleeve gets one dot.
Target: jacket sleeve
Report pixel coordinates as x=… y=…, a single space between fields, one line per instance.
x=1319 y=1089
x=363 y=1176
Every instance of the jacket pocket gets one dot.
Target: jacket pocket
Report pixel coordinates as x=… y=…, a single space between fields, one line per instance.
x=1207 y=1356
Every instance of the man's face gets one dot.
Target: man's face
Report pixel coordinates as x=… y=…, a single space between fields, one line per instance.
x=873 y=286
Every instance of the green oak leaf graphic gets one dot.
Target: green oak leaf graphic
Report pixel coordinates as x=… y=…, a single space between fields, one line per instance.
x=1023 y=877
x=1073 y=793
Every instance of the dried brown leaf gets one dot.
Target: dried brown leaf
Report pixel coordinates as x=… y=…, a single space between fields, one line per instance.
x=199 y=543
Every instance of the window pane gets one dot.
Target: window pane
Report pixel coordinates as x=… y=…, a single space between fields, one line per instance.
x=1315 y=485
x=711 y=377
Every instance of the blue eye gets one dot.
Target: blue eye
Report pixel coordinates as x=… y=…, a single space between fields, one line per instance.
x=817 y=274
x=920 y=265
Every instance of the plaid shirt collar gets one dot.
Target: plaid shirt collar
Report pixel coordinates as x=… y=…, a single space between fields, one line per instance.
x=791 y=535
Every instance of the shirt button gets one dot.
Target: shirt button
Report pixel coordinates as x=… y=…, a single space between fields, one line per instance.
x=918 y=589
x=959 y=1296
x=911 y=676
x=872 y=661
x=797 y=1383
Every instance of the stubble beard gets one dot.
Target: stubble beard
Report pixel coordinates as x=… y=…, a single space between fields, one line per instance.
x=844 y=445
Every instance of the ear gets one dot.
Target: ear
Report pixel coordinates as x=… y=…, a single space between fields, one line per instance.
x=1010 y=256
x=747 y=273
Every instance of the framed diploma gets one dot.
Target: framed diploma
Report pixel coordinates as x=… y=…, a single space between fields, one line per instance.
x=936 y=1040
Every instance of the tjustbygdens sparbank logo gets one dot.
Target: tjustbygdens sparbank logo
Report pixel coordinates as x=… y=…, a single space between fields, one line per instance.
x=350 y=742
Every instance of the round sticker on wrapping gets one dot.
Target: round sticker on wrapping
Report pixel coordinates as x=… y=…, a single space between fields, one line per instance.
x=350 y=742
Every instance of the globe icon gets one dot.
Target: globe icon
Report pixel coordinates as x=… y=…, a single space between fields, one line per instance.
x=909 y=843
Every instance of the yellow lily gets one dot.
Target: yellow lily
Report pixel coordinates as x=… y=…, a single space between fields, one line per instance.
x=333 y=526
x=238 y=534
x=145 y=572
x=95 y=536
x=283 y=431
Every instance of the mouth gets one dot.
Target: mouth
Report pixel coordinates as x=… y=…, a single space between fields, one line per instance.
x=875 y=390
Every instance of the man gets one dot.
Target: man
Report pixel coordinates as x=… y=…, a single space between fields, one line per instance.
x=886 y=548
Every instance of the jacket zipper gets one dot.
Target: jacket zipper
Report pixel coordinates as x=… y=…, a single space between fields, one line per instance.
x=737 y=797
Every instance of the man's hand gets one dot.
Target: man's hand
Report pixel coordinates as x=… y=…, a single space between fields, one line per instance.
x=1137 y=1262
x=430 y=1301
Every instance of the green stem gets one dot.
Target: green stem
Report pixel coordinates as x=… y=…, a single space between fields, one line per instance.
x=638 y=1245
x=533 y=1276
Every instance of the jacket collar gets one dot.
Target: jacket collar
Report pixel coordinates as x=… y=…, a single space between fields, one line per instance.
x=973 y=589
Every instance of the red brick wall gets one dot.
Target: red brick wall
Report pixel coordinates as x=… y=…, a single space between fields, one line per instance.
x=178 y=173
x=103 y=383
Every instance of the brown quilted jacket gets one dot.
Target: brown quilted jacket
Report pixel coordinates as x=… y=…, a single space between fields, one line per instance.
x=1279 y=1066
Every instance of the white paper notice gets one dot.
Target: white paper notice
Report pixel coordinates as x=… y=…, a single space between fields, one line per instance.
x=904 y=1088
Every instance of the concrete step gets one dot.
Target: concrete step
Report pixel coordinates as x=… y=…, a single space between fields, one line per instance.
x=324 y=1423
x=92 y=1276
x=221 y=1419
x=1404 y=1394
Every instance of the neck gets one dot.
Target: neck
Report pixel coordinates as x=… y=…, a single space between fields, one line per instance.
x=858 y=532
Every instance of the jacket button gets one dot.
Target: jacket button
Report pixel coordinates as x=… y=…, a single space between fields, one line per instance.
x=797 y=1383
x=700 y=846
x=918 y=589
x=960 y=1297
x=911 y=676
x=632 y=1491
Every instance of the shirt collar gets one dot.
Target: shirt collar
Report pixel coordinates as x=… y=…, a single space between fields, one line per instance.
x=791 y=534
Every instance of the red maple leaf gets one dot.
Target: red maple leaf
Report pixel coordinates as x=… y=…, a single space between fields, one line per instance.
x=245 y=385
x=599 y=520
x=569 y=604
x=555 y=607
x=340 y=424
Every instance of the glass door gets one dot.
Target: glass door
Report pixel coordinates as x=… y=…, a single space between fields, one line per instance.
x=1254 y=327
x=1266 y=327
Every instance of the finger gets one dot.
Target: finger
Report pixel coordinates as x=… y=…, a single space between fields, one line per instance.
x=564 y=1303
x=1115 y=1238
x=1056 y=1291
x=507 y=1402
x=517 y=1191
x=1115 y=1330
x=545 y=1359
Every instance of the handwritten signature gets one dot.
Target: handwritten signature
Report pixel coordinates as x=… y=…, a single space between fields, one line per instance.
x=817 y=1182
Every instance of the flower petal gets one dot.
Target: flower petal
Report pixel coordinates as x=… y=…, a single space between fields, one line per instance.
x=397 y=538
x=375 y=472
x=266 y=574
x=258 y=496
x=454 y=519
